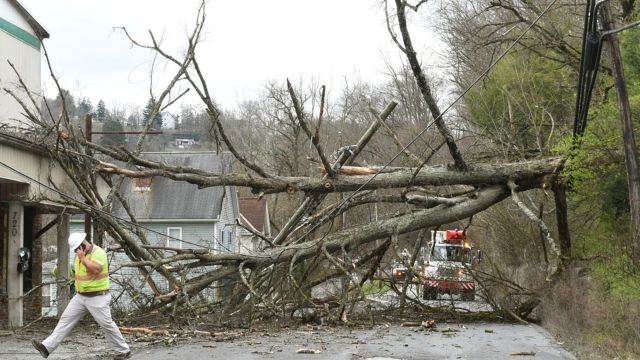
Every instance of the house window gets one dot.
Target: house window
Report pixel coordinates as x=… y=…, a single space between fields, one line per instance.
x=216 y=242
x=175 y=237
x=225 y=241
x=230 y=244
x=222 y=241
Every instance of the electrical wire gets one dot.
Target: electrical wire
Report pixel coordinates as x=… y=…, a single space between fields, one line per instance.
x=338 y=208
x=334 y=212
x=592 y=40
x=589 y=65
x=581 y=72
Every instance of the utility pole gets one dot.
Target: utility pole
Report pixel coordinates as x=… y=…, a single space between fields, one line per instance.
x=88 y=127
x=628 y=139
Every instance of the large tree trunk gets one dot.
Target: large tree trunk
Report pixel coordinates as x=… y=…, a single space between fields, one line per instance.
x=629 y=142
x=388 y=178
x=562 y=219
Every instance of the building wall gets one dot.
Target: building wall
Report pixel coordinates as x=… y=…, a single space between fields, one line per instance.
x=245 y=241
x=50 y=291
x=32 y=304
x=18 y=44
x=10 y=14
x=226 y=236
x=4 y=225
x=34 y=170
x=200 y=233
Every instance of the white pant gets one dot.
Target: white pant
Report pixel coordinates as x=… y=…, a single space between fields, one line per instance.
x=79 y=306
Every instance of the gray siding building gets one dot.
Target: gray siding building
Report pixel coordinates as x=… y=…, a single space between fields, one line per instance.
x=173 y=214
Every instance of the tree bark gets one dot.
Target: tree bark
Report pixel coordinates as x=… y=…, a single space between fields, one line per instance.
x=628 y=139
x=485 y=174
x=425 y=89
x=562 y=219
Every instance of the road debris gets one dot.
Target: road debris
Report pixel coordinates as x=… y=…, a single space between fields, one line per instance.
x=523 y=353
x=429 y=324
x=488 y=331
x=355 y=342
x=309 y=351
x=258 y=352
x=143 y=330
x=450 y=331
x=204 y=333
x=410 y=324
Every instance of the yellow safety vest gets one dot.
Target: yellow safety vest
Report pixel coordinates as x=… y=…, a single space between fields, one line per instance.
x=87 y=282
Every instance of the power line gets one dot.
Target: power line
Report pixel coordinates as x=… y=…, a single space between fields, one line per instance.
x=592 y=40
x=589 y=65
x=333 y=213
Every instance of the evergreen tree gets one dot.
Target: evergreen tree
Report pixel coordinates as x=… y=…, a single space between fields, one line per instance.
x=69 y=103
x=133 y=120
x=156 y=123
x=112 y=139
x=84 y=107
x=187 y=119
x=101 y=111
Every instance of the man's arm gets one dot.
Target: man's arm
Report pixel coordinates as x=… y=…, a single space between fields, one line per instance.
x=92 y=266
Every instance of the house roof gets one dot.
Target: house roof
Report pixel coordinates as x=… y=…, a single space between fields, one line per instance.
x=35 y=25
x=169 y=199
x=254 y=211
x=21 y=141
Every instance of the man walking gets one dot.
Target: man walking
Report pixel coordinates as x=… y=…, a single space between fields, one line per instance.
x=93 y=297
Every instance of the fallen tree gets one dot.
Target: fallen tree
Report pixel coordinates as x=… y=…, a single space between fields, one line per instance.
x=306 y=251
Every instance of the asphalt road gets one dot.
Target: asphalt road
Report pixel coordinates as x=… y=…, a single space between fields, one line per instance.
x=471 y=341
x=390 y=300
x=381 y=342
x=446 y=341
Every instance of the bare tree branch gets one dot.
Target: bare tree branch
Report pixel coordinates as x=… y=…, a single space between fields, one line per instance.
x=425 y=89
x=303 y=125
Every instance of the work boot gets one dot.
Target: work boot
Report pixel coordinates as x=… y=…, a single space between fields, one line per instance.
x=122 y=356
x=41 y=348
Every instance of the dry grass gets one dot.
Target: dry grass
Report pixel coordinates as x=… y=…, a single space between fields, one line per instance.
x=595 y=324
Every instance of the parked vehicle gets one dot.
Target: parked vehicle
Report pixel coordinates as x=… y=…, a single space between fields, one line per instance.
x=400 y=271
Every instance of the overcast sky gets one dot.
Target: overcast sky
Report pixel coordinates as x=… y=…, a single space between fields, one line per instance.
x=246 y=43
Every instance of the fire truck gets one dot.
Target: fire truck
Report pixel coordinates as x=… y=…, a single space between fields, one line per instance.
x=447 y=266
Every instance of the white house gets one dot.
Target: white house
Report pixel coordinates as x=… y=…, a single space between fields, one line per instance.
x=25 y=172
x=20 y=43
x=49 y=290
